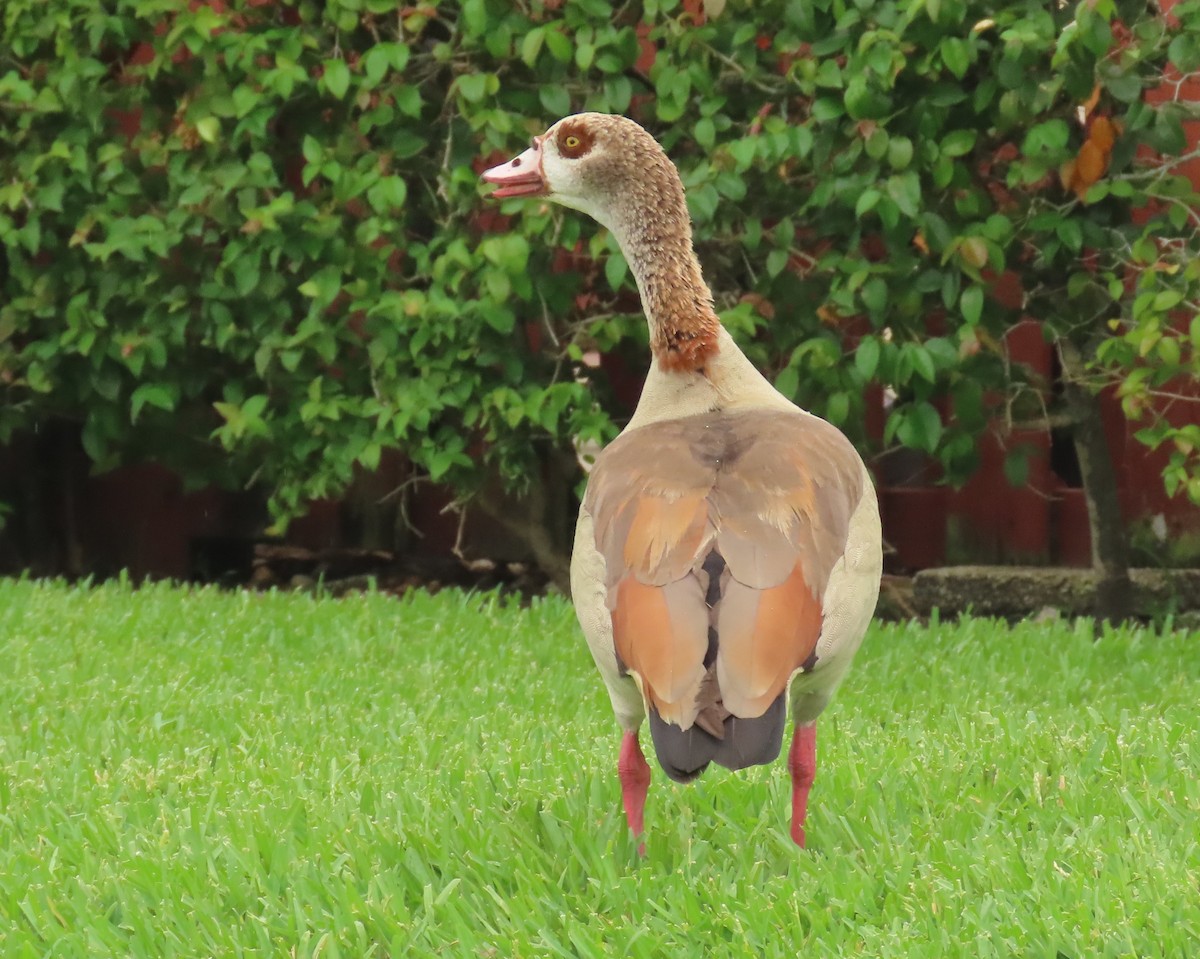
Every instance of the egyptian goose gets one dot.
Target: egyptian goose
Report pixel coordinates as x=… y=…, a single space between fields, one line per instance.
x=727 y=555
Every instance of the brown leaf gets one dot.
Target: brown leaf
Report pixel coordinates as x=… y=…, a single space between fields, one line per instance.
x=764 y=306
x=1066 y=174
x=828 y=315
x=1092 y=162
x=1103 y=134
x=1089 y=167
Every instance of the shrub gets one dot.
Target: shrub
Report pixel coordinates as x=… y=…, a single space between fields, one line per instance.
x=261 y=224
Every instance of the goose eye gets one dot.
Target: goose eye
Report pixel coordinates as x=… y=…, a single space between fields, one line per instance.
x=572 y=142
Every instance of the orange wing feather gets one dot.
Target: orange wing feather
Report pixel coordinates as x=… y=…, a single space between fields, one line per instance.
x=661 y=635
x=766 y=635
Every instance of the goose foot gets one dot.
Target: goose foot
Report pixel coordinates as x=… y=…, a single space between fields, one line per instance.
x=802 y=764
x=635 y=783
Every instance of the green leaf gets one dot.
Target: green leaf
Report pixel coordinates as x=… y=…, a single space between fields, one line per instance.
x=618 y=91
x=209 y=129
x=905 y=191
x=246 y=274
x=531 y=45
x=866 y=358
x=254 y=406
x=922 y=362
x=703 y=202
x=406 y=143
x=555 y=100
x=866 y=201
x=498 y=285
x=920 y=426
x=1184 y=52
x=1178 y=215
x=1167 y=300
x=753 y=234
x=958 y=143
x=863 y=100
x=500 y=318
x=1070 y=233
x=1016 y=467
x=705 y=133
x=971 y=304
x=559 y=46
x=968 y=404
x=1124 y=87
x=788 y=381
x=1048 y=139
x=159 y=395
x=874 y=294
x=900 y=152
x=837 y=409
x=375 y=64
x=889 y=213
x=776 y=261
x=472 y=86
x=336 y=78
x=956 y=55
x=510 y=251
x=388 y=195
x=1167 y=135
x=408 y=100
x=827 y=109
x=1077 y=283
x=323 y=286
x=95 y=439
x=615 y=269
x=370 y=455
x=1169 y=352
x=877 y=143
x=880 y=59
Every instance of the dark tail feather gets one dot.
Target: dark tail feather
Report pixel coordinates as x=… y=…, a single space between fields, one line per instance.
x=685 y=753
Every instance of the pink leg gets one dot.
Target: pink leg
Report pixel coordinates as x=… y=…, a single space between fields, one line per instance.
x=635 y=782
x=802 y=764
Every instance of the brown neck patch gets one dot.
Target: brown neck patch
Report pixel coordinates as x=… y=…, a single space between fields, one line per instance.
x=686 y=350
x=683 y=324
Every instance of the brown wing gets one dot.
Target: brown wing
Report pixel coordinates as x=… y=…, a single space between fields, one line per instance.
x=760 y=501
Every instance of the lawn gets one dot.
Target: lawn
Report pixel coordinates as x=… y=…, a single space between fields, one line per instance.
x=185 y=772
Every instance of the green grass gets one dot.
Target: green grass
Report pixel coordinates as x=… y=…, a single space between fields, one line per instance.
x=193 y=773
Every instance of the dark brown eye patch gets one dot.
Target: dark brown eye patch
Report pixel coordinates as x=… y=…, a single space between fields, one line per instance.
x=574 y=140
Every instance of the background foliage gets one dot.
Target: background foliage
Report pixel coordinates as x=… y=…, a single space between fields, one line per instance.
x=261 y=224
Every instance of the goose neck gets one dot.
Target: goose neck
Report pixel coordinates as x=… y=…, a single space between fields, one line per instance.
x=657 y=244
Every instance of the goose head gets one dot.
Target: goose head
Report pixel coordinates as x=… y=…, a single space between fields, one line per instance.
x=605 y=166
x=614 y=171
